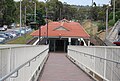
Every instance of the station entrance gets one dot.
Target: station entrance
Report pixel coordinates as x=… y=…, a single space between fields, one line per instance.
x=58 y=45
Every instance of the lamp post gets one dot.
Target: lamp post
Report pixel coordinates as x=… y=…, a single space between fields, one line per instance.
x=25 y=16
x=34 y=12
x=25 y=23
x=92 y=2
x=106 y=22
x=34 y=9
x=106 y=33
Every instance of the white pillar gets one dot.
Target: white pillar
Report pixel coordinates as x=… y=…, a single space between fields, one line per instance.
x=79 y=41
x=69 y=40
x=89 y=43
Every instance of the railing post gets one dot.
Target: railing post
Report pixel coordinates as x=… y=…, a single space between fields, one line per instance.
x=105 y=63
x=112 y=66
x=94 y=57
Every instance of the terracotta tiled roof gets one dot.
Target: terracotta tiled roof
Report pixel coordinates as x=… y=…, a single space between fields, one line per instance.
x=63 y=29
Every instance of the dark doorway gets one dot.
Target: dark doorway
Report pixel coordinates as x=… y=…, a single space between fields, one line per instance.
x=59 y=45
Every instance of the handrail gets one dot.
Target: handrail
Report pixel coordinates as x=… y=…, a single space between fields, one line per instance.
x=114 y=72
x=18 y=68
x=97 y=57
x=114 y=27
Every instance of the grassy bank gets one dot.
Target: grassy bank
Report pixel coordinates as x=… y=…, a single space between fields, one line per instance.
x=21 y=40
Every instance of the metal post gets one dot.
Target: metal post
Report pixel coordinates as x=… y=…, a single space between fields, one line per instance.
x=91 y=30
x=20 y=16
x=114 y=10
x=25 y=16
x=46 y=21
x=34 y=12
x=112 y=67
x=60 y=14
x=25 y=23
x=106 y=23
x=105 y=63
x=54 y=45
x=92 y=2
x=47 y=31
x=39 y=33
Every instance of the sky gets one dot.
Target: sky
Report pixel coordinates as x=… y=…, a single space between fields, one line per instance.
x=82 y=2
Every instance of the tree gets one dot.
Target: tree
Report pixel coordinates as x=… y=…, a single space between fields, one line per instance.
x=7 y=11
x=117 y=9
x=40 y=18
x=94 y=11
x=54 y=9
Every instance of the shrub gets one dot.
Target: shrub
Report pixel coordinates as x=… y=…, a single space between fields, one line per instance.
x=111 y=22
x=101 y=26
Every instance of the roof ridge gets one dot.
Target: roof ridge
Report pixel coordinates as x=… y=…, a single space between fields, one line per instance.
x=61 y=23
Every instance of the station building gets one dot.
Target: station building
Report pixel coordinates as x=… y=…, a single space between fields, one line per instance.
x=63 y=33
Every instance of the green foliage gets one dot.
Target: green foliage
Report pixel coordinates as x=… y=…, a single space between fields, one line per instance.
x=94 y=12
x=56 y=11
x=98 y=12
x=8 y=8
x=40 y=19
x=101 y=15
x=117 y=16
x=101 y=26
x=117 y=4
x=117 y=9
x=111 y=22
x=55 y=7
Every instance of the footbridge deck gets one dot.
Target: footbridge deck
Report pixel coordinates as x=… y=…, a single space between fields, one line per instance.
x=59 y=68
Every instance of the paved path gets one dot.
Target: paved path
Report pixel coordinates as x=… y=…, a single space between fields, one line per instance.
x=59 y=68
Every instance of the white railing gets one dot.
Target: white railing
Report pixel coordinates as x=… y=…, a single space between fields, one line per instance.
x=22 y=62
x=113 y=35
x=102 y=63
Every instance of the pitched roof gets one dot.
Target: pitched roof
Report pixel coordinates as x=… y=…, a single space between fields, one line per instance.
x=64 y=29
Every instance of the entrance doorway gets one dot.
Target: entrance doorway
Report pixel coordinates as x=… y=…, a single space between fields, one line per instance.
x=58 y=45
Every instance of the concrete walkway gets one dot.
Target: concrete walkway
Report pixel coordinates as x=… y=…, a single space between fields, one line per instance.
x=59 y=68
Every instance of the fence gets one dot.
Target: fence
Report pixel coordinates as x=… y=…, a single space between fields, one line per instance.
x=102 y=63
x=22 y=62
x=113 y=35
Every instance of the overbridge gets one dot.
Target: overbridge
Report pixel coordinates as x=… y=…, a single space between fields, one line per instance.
x=80 y=63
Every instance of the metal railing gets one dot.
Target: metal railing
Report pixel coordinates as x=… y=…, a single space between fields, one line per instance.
x=113 y=35
x=21 y=65
x=102 y=62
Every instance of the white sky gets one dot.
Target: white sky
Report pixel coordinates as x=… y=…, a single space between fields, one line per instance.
x=82 y=2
